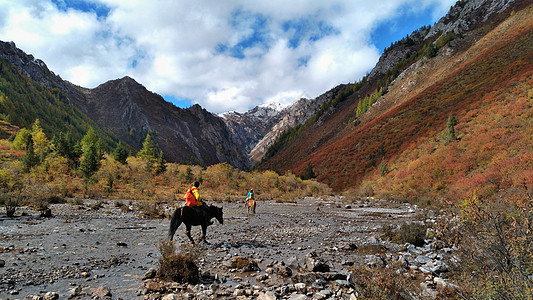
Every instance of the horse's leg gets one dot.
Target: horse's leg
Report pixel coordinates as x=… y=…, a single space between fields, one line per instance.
x=188 y=232
x=253 y=208
x=204 y=230
x=175 y=222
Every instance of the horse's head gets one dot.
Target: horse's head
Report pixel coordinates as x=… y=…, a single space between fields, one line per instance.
x=217 y=213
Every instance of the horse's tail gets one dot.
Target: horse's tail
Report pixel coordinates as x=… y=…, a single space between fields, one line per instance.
x=175 y=222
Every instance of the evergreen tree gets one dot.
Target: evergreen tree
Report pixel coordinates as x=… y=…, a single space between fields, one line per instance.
x=121 y=153
x=449 y=134
x=29 y=160
x=308 y=173
x=89 y=162
x=161 y=164
x=431 y=51
x=89 y=139
x=148 y=152
x=40 y=142
x=65 y=145
x=21 y=139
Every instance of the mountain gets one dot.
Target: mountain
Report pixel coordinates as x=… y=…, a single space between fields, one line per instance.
x=29 y=91
x=257 y=129
x=120 y=109
x=386 y=133
x=128 y=110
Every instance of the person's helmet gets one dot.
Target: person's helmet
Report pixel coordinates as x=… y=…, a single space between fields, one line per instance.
x=196 y=184
x=251 y=190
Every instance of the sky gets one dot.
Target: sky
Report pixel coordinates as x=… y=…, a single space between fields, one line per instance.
x=229 y=55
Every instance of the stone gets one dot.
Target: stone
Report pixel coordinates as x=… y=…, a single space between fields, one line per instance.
x=284 y=271
x=298 y=297
x=2 y=263
x=171 y=297
x=101 y=292
x=261 y=277
x=150 y=274
x=300 y=287
x=51 y=296
x=374 y=261
x=269 y=295
x=75 y=291
x=314 y=264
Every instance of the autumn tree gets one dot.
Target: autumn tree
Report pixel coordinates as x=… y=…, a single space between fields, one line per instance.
x=21 y=139
x=40 y=141
x=161 y=166
x=149 y=152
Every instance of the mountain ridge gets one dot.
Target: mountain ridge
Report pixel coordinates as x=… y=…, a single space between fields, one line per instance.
x=346 y=149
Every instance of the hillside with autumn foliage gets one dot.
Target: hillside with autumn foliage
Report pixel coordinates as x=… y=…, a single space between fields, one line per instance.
x=398 y=147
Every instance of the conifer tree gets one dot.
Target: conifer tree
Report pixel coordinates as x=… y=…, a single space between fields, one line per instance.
x=21 y=139
x=121 y=153
x=29 y=160
x=65 y=145
x=148 y=152
x=449 y=134
x=40 y=142
x=308 y=173
x=161 y=166
x=89 y=162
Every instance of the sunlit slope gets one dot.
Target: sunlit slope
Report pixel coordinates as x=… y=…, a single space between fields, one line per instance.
x=487 y=88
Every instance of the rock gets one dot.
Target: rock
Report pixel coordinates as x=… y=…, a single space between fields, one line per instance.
x=300 y=287
x=171 y=297
x=423 y=259
x=122 y=244
x=284 y=271
x=267 y=296
x=314 y=264
x=298 y=297
x=2 y=263
x=51 y=296
x=261 y=277
x=374 y=261
x=308 y=277
x=149 y=274
x=101 y=292
x=75 y=291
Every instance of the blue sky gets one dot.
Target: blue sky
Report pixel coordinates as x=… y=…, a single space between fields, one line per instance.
x=223 y=55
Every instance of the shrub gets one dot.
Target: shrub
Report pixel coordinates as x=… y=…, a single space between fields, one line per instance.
x=176 y=267
x=413 y=233
x=496 y=246
x=151 y=209
x=382 y=283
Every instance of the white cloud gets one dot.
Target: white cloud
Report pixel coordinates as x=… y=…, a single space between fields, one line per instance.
x=224 y=55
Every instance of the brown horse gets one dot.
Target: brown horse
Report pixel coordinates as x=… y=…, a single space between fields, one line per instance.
x=250 y=204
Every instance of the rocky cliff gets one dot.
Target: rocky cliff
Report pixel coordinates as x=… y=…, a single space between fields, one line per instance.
x=128 y=110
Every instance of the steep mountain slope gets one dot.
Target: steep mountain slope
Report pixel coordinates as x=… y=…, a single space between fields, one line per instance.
x=257 y=129
x=29 y=91
x=119 y=109
x=130 y=111
x=461 y=79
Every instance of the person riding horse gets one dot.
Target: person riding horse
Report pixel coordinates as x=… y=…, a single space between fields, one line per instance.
x=250 y=201
x=250 y=196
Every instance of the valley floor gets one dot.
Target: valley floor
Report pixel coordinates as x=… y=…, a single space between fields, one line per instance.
x=79 y=248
